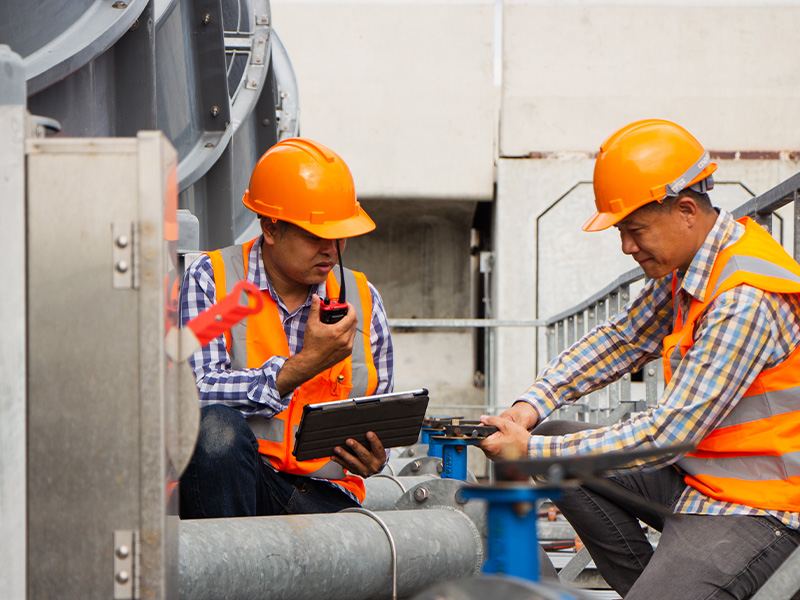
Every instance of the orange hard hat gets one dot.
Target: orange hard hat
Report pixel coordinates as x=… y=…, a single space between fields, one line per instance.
x=645 y=161
x=300 y=181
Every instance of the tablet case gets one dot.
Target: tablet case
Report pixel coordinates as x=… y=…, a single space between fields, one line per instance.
x=395 y=418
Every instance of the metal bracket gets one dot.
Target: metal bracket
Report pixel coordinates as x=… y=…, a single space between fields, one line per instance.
x=123 y=256
x=126 y=565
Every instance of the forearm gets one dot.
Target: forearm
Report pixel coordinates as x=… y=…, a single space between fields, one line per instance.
x=252 y=391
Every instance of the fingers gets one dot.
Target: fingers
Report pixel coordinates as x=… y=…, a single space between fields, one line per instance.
x=358 y=459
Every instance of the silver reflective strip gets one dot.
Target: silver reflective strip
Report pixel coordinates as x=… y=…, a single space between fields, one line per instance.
x=330 y=470
x=762 y=406
x=270 y=430
x=233 y=260
x=750 y=468
x=681 y=182
x=751 y=264
x=360 y=375
x=675 y=358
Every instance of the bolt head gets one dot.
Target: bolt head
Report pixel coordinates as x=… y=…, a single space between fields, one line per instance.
x=421 y=494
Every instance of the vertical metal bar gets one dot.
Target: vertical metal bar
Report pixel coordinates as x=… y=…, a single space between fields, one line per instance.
x=625 y=382
x=614 y=388
x=570 y=331
x=651 y=383
x=13 y=343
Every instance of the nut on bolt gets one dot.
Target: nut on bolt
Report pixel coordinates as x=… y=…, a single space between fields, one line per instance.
x=214 y=110
x=421 y=494
x=119 y=4
x=415 y=466
x=206 y=18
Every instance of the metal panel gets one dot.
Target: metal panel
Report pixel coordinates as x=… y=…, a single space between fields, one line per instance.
x=12 y=321
x=96 y=384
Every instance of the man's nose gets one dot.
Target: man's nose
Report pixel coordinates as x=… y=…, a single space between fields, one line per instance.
x=628 y=244
x=328 y=247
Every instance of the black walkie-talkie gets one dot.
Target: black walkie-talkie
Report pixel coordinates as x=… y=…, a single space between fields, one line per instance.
x=333 y=311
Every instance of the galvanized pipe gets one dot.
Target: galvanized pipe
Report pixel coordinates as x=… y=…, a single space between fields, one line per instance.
x=334 y=556
x=384 y=490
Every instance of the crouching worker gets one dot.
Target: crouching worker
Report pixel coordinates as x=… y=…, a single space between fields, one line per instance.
x=721 y=308
x=254 y=381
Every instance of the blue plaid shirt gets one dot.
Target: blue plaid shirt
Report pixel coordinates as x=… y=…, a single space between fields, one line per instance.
x=743 y=332
x=253 y=391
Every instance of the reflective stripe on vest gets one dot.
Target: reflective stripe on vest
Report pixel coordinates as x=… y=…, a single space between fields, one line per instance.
x=355 y=376
x=753 y=456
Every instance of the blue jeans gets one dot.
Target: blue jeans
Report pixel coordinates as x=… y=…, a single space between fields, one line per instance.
x=697 y=556
x=228 y=478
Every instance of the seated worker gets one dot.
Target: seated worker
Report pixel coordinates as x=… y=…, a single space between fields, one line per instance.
x=721 y=306
x=254 y=381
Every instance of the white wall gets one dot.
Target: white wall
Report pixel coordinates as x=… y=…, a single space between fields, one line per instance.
x=576 y=70
x=401 y=89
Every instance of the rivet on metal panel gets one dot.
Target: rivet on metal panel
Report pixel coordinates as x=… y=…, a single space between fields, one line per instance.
x=651 y=372
x=214 y=110
x=265 y=122
x=252 y=84
x=206 y=18
x=126 y=564
x=123 y=256
x=119 y=4
x=262 y=19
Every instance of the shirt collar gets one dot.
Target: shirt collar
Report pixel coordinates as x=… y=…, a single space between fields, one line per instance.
x=258 y=275
x=724 y=232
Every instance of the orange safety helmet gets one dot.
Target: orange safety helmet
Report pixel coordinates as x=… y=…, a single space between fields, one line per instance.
x=645 y=161
x=300 y=181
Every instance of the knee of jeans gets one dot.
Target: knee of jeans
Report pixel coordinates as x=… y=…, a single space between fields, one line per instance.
x=561 y=427
x=222 y=430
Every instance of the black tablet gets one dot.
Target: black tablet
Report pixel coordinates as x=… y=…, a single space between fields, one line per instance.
x=395 y=418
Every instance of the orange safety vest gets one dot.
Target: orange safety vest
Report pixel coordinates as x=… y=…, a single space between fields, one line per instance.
x=259 y=337
x=753 y=456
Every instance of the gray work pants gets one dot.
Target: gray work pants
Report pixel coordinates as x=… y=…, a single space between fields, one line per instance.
x=697 y=556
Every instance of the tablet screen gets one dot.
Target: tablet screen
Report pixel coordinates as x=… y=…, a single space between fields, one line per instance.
x=395 y=418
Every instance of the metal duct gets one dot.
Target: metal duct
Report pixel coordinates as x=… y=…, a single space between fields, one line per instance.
x=348 y=552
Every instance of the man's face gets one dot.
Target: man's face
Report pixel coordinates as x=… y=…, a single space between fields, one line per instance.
x=659 y=241
x=299 y=256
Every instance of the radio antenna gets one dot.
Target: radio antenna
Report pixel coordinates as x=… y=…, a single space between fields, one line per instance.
x=341 y=272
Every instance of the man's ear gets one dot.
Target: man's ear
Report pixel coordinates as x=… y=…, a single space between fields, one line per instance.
x=687 y=209
x=269 y=229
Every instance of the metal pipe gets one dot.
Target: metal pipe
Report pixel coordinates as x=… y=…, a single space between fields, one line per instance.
x=332 y=556
x=384 y=490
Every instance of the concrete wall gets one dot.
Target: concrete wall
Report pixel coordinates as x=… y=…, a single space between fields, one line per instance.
x=405 y=89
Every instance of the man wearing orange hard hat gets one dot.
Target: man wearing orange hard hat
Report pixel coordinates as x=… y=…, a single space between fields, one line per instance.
x=254 y=381
x=721 y=308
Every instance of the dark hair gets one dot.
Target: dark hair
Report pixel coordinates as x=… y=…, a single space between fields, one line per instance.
x=282 y=225
x=702 y=200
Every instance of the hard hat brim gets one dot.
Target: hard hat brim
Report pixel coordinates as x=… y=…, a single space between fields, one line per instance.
x=333 y=230
x=600 y=221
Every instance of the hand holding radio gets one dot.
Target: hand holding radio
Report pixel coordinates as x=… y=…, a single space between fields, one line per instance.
x=332 y=311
